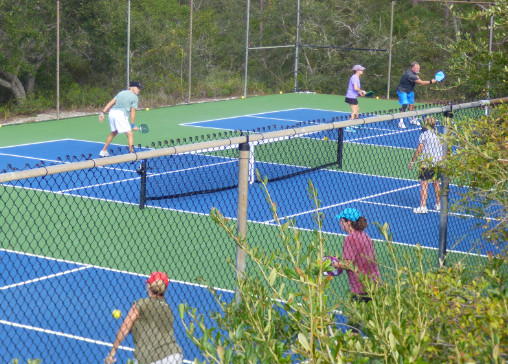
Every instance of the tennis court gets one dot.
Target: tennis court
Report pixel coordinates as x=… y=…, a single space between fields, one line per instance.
x=65 y=272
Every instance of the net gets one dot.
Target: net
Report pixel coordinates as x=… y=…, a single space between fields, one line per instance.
x=216 y=169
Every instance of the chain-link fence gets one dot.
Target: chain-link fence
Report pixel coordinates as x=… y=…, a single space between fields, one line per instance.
x=79 y=236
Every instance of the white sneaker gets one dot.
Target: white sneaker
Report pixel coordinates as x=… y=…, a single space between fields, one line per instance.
x=401 y=124
x=415 y=121
x=437 y=207
x=104 y=153
x=420 y=210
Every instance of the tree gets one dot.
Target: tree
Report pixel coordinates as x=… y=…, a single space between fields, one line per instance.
x=477 y=159
x=25 y=43
x=476 y=69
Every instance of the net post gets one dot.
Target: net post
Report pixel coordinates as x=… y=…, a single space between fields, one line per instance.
x=444 y=193
x=142 y=189
x=340 y=146
x=243 y=192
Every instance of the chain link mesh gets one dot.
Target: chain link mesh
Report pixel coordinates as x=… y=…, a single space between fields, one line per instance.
x=76 y=245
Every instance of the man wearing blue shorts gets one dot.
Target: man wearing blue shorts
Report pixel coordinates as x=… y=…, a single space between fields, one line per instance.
x=123 y=105
x=405 y=91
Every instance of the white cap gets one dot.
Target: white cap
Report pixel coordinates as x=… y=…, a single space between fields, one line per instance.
x=358 y=68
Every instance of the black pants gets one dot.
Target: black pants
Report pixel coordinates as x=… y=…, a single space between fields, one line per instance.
x=363 y=298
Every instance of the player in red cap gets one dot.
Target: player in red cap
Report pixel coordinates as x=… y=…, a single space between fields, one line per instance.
x=150 y=320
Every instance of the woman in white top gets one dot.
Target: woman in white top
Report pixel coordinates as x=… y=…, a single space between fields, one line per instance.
x=430 y=151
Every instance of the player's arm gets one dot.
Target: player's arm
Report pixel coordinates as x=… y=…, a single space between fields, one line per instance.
x=420 y=82
x=359 y=90
x=415 y=156
x=106 y=109
x=343 y=264
x=124 y=329
x=133 y=118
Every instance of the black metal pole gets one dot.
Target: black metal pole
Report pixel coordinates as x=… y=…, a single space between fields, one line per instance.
x=444 y=193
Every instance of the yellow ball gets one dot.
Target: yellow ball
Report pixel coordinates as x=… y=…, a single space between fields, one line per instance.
x=117 y=314
x=377 y=97
x=147 y=109
x=243 y=97
x=280 y=92
x=325 y=139
x=0 y=125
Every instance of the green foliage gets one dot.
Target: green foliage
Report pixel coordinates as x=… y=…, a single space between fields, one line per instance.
x=28 y=361
x=477 y=158
x=477 y=71
x=285 y=310
x=93 y=48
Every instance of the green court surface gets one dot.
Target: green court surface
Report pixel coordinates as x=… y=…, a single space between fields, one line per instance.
x=187 y=245
x=165 y=122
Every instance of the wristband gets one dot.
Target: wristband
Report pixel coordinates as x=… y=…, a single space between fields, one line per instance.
x=430 y=82
x=133 y=125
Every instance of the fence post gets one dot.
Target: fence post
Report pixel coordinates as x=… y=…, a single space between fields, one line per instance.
x=142 y=188
x=243 y=192
x=340 y=147
x=445 y=183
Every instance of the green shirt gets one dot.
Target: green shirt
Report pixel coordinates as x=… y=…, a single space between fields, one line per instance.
x=125 y=100
x=153 y=332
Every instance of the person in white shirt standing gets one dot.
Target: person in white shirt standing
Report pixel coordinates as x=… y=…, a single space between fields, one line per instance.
x=120 y=108
x=430 y=153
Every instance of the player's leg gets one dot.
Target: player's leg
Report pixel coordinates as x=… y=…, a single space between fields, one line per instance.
x=109 y=139
x=424 y=193
x=111 y=136
x=411 y=100
x=355 y=109
x=437 y=191
x=403 y=102
x=130 y=140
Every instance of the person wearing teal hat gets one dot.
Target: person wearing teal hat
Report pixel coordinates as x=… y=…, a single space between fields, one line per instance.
x=358 y=255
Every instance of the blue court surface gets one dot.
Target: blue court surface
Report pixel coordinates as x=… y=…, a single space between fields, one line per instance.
x=384 y=133
x=382 y=199
x=79 y=307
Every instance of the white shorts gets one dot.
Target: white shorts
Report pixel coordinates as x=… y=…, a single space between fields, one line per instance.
x=118 y=121
x=172 y=359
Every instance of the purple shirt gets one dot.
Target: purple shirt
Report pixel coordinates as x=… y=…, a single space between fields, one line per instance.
x=351 y=92
x=358 y=248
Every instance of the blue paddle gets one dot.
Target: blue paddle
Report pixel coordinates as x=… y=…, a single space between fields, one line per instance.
x=439 y=76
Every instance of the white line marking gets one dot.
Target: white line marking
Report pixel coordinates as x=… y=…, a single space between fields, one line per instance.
x=44 y=278
x=68 y=336
x=350 y=201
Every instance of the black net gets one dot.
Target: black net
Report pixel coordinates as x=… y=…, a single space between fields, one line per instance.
x=216 y=169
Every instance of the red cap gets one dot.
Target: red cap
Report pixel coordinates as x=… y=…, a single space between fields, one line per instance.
x=155 y=276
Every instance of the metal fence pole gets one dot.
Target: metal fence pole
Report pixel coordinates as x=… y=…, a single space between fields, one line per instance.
x=297 y=45
x=243 y=192
x=390 y=51
x=58 y=59
x=245 y=74
x=443 y=216
x=128 y=55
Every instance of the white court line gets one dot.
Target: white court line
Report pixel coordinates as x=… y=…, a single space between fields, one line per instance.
x=97 y=185
x=383 y=135
x=111 y=269
x=350 y=201
x=44 y=278
x=68 y=336
x=260 y=117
